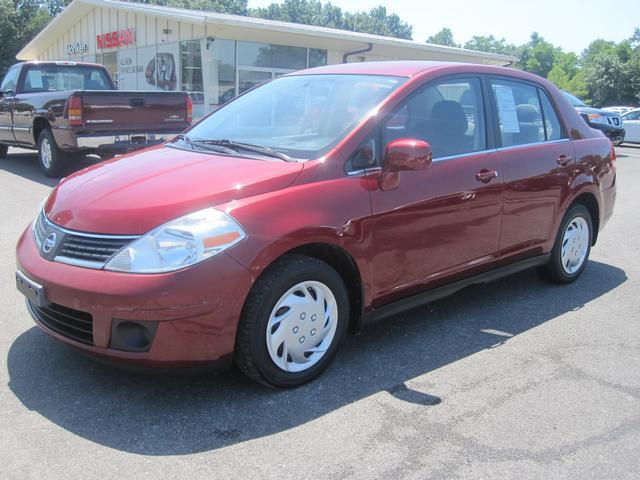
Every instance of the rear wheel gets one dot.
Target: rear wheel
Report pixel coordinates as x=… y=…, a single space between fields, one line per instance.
x=292 y=323
x=572 y=247
x=4 y=149
x=52 y=159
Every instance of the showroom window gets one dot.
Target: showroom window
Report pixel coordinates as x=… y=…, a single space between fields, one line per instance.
x=191 y=64
x=317 y=57
x=110 y=61
x=271 y=56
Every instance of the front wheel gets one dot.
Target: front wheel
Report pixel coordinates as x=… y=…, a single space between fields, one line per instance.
x=52 y=160
x=572 y=247
x=292 y=323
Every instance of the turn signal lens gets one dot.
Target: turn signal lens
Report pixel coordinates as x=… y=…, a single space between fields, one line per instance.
x=74 y=110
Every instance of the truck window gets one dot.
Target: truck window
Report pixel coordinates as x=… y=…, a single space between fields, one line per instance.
x=52 y=78
x=10 y=79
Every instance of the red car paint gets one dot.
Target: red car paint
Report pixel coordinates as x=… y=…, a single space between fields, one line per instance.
x=438 y=224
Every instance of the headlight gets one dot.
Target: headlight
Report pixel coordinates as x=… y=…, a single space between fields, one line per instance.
x=596 y=118
x=179 y=243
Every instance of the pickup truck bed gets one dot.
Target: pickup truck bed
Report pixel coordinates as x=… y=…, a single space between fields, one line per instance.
x=37 y=112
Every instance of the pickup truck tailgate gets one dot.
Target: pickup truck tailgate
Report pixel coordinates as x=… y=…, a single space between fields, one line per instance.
x=129 y=111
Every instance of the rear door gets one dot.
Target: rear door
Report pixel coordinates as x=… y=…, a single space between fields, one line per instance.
x=134 y=111
x=537 y=160
x=445 y=219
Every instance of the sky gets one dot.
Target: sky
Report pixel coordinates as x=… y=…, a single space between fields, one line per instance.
x=570 y=24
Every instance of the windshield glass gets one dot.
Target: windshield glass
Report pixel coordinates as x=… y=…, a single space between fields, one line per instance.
x=575 y=101
x=53 y=78
x=302 y=116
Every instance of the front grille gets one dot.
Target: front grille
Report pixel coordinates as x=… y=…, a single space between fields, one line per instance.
x=39 y=228
x=77 y=248
x=68 y=322
x=90 y=248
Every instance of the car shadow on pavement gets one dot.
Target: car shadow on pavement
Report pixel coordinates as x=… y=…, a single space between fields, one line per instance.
x=25 y=164
x=175 y=415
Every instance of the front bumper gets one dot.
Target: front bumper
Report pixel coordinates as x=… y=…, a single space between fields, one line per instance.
x=615 y=134
x=195 y=310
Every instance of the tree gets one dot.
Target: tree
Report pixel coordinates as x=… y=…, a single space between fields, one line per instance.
x=538 y=56
x=612 y=72
x=313 y=12
x=443 y=37
x=491 y=44
x=20 y=21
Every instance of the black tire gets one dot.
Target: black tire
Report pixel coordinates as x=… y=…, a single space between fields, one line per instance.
x=251 y=352
x=554 y=271
x=4 y=149
x=59 y=160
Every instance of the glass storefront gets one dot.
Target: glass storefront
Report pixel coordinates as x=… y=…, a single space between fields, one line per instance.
x=213 y=71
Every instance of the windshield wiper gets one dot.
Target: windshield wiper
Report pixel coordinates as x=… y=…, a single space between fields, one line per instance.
x=247 y=147
x=204 y=146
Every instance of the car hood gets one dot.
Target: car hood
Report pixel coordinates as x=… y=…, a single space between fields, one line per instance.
x=604 y=113
x=137 y=192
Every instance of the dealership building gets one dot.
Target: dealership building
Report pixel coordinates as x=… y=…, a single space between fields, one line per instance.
x=215 y=56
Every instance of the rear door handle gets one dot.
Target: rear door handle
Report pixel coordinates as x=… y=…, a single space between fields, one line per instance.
x=564 y=160
x=485 y=176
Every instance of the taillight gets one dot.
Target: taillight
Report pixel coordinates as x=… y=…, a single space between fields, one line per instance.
x=74 y=110
x=613 y=153
x=189 y=109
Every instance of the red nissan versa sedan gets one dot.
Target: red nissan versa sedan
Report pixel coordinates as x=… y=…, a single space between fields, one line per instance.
x=311 y=204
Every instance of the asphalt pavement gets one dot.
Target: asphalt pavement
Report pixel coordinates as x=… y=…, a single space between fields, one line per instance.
x=514 y=379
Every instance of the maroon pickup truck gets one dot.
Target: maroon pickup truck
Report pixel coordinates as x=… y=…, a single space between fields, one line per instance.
x=68 y=109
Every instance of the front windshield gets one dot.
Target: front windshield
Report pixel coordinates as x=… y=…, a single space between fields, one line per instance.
x=575 y=101
x=301 y=116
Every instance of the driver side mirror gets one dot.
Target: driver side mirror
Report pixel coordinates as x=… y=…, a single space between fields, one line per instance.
x=407 y=154
x=403 y=154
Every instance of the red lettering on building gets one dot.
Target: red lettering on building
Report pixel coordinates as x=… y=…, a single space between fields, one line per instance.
x=115 y=39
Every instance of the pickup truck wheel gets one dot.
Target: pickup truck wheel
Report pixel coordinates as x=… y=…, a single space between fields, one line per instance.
x=572 y=247
x=3 y=151
x=292 y=323
x=52 y=159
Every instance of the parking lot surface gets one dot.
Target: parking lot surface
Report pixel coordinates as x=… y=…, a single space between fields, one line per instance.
x=514 y=379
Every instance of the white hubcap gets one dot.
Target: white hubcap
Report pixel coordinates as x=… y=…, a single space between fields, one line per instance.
x=302 y=326
x=575 y=244
x=45 y=153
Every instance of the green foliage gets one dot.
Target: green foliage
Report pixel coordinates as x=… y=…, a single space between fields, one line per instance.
x=20 y=21
x=313 y=12
x=491 y=44
x=612 y=71
x=443 y=37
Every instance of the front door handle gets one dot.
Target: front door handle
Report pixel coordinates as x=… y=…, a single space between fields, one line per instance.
x=485 y=176
x=564 y=160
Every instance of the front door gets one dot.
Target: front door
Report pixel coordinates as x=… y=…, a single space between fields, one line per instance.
x=446 y=218
x=8 y=87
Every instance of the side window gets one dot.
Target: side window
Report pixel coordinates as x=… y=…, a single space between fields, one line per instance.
x=448 y=114
x=10 y=80
x=552 y=125
x=519 y=113
x=632 y=116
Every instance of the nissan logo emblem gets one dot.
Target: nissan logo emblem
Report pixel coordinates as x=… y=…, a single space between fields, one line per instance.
x=49 y=242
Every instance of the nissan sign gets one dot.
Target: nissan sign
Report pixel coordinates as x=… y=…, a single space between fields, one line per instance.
x=115 y=39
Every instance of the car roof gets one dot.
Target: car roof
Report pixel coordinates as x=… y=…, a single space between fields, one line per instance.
x=416 y=68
